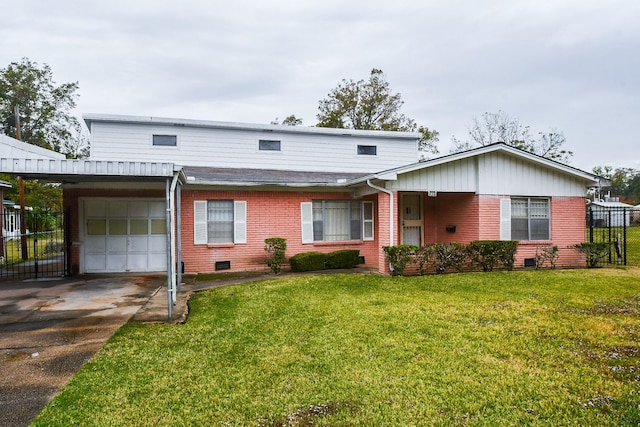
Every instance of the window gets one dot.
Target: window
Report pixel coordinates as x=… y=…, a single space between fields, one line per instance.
x=165 y=140
x=367 y=150
x=269 y=145
x=529 y=218
x=219 y=221
x=334 y=220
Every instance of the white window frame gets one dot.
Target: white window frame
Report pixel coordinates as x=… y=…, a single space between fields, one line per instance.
x=375 y=148
x=280 y=146
x=200 y=223
x=506 y=217
x=165 y=146
x=367 y=226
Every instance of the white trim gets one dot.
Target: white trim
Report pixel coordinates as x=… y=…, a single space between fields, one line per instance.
x=505 y=219
x=306 y=221
x=239 y=221
x=200 y=222
x=370 y=222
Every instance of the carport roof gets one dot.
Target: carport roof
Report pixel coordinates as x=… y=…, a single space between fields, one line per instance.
x=73 y=171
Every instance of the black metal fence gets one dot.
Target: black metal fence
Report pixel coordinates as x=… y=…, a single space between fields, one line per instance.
x=35 y=246
x=618 y=226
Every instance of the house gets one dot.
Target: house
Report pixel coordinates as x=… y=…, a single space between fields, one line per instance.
x=611 y=212
x=175 y=195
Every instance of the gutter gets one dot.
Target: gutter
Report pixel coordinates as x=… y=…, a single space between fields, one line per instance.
x=391 y=209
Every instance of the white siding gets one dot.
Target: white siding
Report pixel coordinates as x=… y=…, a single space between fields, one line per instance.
x=491 y=173
x=238 y=148
x=500 y=173
x=459 y=176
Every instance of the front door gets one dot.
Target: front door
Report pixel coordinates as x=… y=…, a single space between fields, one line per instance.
x=412 y=221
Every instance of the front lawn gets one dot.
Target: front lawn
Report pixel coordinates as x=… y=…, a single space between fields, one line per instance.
x=502 y=348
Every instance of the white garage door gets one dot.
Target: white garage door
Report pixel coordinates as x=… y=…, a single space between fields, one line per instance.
x=124 y=235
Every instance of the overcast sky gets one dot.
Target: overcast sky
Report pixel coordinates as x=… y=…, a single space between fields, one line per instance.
x=568 y=65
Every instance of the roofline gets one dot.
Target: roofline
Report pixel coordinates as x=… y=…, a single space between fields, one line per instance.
x=90 y=118
x=51 y=169
x=391 y=174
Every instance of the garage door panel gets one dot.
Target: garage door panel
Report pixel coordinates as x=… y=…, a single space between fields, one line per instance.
x=117 y=244
x=157 y=210
x=139 y=209
x=158 y=243
x=139 y=244
x=137 y=262
x=95 y=263
x=116 y=262
x=117 y=208
x=96 y=244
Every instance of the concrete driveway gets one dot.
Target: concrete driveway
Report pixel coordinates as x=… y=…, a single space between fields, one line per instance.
x=49 y=329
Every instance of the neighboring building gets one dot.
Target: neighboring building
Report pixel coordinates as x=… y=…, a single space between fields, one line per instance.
x=611 y=212
x=160 y=193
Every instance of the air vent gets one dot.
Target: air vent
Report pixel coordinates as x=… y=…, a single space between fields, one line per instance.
x=223 y=265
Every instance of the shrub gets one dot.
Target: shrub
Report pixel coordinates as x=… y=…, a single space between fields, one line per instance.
x=346 y=258
x=275 y=247
x=399 y=256
x=594 y=252
x=308 y=261
x=488 y=254
x=546 y=254
x=445 y=256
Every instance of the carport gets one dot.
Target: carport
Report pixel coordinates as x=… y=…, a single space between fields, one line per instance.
x=122 y=216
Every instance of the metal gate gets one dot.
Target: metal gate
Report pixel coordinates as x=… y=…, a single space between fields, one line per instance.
x=610 y=225
x=34 y=246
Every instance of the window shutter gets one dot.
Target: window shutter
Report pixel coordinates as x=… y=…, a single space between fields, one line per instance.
x=505 y=219
x=367 y=221
x=306 y=214
x=199 y=222
x=240 y=222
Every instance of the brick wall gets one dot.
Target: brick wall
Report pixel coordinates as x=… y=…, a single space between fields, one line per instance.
x=451 y=209
x=567 y=229
x=269 y=214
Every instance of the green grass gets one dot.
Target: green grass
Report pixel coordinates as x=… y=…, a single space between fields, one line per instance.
x=46 y=241
x=498 y=349
x=633 y=242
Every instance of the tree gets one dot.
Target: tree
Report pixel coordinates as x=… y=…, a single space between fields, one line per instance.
x=370 y=105
x=44 y=108
x=291 y=120
x=491 y=128
x=625 y=182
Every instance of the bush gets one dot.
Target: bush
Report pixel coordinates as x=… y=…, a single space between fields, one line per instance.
x=275 y=247
x=594 y=252
x=399 y=256
x=346 y=258
x=445 y=256
x=546 y=254
x=488 y=254
x=308 y=261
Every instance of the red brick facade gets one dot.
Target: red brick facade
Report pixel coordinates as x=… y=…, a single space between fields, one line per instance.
x=278 y=214
x=269 y=214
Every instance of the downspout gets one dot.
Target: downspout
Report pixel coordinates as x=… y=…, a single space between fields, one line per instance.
x=391 y=216
x=171 y=252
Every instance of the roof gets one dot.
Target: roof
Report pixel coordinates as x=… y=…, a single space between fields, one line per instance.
x=164 y=121
x=392 y=174
x=11 y=147
x=86 y=170
x=611 y=204
x=252 y=177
